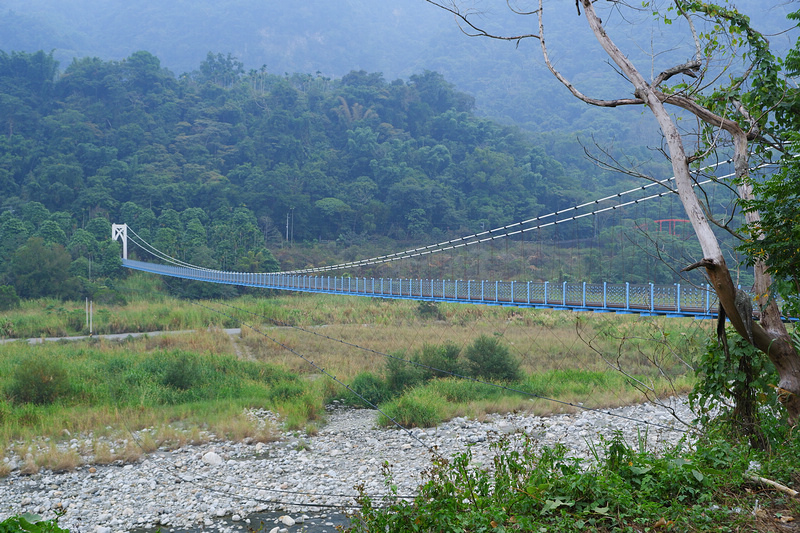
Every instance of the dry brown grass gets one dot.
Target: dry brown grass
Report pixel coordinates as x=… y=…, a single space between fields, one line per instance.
x=102 y=453
x=58 y=460
x=213 y=340
x=239 y=428
x=541 y=341
x=130 y=453
x=29 y=465
x=5 y=469
x=147 y=442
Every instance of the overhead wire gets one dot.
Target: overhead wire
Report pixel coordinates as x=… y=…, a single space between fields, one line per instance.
x=483 y=236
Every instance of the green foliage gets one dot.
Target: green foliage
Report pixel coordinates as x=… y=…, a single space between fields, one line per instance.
x=490 y=360
x=367 y=386
x=736 y=391
x=402 y=375
x=92 y=378
x=38 y=380
x=40 y=269
x=775 y=239
x=8 y=298
x=429 y=310
x=30 y=523
x=182 y=371
x=533 y=489
x=418 y=408
x=285 y=391
x=441 y=360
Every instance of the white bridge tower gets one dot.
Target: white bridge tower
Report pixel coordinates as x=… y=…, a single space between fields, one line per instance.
x=121 y=231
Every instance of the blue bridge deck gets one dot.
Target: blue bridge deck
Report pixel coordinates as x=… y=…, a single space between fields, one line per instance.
x=624 y=298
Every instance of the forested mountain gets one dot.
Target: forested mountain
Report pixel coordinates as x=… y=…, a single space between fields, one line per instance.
x=398 y=39
x=208 y=166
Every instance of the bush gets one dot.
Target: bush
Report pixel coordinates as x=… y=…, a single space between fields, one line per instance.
x=182 y=372
x=490 y=360
x=444 y=358
x=414 y=409
x=39 y=380
x=429 y=310
x=8 y=298
x=367 y=386
x=736 y=388
x=402 y=375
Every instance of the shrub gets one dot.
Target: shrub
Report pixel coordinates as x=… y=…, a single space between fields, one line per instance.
x=367 y=386
x=420 y=408
x=490 y=360
x=39 y=380
x=182 y=372
x=445 y=358
x=429 y=310
x=8 y=298
x=402 y=375
x=735 y=388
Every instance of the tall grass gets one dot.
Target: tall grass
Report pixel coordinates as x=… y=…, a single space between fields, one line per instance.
x=131 y=385
x=206 y=378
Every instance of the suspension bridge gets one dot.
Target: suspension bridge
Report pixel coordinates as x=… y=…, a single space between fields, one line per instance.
x=648 y=299
x=625 y=298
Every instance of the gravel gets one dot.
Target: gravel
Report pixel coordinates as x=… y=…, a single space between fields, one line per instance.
x=223 y=485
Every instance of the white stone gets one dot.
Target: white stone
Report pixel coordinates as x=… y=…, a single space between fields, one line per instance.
x=212 y=458
x=287 y=520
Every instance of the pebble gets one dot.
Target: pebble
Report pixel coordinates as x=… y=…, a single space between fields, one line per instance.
x=213 y=485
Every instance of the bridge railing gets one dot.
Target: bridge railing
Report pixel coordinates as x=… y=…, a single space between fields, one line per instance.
x=676 y=299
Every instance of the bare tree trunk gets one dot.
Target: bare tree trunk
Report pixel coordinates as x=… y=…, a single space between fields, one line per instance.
x=772 y=338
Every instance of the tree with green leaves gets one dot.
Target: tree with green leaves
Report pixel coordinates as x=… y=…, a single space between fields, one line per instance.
x=731 y=85
x=42 y=269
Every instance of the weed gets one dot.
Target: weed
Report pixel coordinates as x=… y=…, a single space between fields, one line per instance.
x=58 y=460
x=5 y=469
x=29 y=466
x=418 y=408
x=532 y=489
x=429 y=310
x=31 y=523
x=102 y=453
x=147 y=442
x=490 y=360
x=39 y=380
x=401 y=374
x=131 y=453
x=367 y=387
x=239 y=427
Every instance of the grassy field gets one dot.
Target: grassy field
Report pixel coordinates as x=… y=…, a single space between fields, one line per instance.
x=297 y=352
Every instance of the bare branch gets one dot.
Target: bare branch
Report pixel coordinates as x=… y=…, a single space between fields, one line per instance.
x=463 y=17
x=689 y=69
x=575 y=92
x=697 y=47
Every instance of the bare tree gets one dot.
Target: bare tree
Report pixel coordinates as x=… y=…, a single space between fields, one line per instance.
x=720 y=119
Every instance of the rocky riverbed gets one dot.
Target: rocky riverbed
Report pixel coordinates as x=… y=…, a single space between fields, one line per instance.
x=223 y=486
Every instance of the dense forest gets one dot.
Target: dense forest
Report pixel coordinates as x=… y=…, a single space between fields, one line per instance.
x=221 y=165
